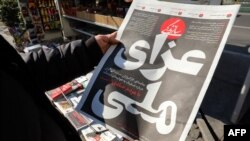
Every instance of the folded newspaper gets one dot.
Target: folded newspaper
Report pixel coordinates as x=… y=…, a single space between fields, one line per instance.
x=151 y=85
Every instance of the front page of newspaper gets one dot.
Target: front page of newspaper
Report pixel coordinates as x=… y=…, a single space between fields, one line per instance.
x=150 y=86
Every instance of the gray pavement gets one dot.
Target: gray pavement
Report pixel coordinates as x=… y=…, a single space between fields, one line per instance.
x=227 y=84
x=224 y=90
x=240 y=33
x=206 y=134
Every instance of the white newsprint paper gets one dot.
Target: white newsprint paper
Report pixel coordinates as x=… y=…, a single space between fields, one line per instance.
x=150 y=86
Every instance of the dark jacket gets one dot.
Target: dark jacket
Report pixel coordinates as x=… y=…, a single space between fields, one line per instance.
x=27 y=114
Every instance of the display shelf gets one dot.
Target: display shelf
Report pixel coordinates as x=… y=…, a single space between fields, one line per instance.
x=102 y=16
x=90 y=22
x=84 y=32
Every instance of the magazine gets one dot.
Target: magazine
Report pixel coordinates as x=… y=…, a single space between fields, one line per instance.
x=66 y=97
x=150 y=86
x=90 y=134
x=65 y=89
x=77 y=120
x=63 y=105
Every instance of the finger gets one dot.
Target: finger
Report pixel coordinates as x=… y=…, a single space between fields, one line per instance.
x=112 y=38
x=113 y=41
x=102 y=41
x=113 y=35
x=104 y=38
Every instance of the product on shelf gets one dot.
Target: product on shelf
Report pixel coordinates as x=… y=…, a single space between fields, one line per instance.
x=68 y=7
x=32 y=20
x=105 y=16
x=49 y=14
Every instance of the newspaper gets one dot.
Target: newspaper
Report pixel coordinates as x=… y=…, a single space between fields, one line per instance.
x=150 y=86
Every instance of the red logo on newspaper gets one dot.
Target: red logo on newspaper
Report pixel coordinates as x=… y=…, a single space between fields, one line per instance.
x=229 y=15
x=174 y=27
x=201 y=15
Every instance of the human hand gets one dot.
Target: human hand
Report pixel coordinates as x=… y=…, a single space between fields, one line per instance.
x=105 y=41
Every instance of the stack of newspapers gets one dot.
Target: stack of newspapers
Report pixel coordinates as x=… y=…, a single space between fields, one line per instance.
x=66 y=97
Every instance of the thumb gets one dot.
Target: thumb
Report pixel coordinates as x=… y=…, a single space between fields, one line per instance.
x=112 y=38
